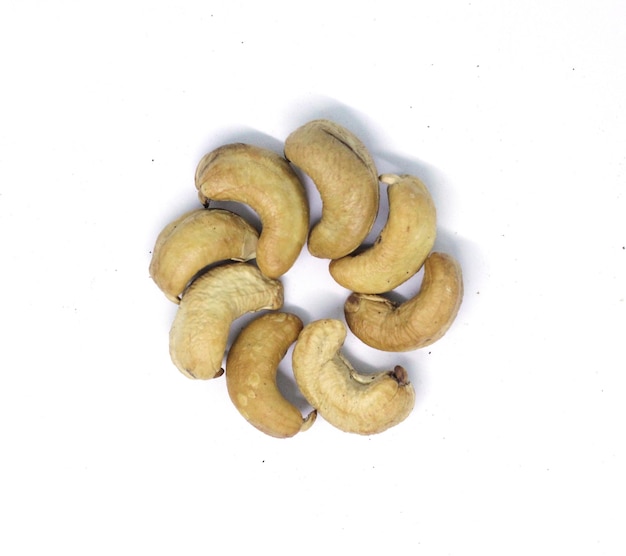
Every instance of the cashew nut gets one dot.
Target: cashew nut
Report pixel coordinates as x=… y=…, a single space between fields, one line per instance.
x=403 y=245
x=416 y=323
x=348 y=400
x=267 y=183
x=199 y=333
x=251 y=368
x=345 y=175
x=196 y=240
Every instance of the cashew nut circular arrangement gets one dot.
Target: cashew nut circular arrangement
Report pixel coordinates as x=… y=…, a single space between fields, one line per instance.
x=217 y=267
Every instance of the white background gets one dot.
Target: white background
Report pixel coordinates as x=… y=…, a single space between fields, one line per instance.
x=513 y=113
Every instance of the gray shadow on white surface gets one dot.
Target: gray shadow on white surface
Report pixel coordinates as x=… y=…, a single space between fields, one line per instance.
x=327 y=108
x=320 y=107
x=374 y=139
x=241 y=134
x=189 y=193
x=324 y=108
x=448 y=241
x=287 y=383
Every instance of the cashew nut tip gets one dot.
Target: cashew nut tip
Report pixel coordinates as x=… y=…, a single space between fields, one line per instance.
x=195 y=240
x=199 y=332
x=251 y=369
x=344 y=173
x=349 y=400
x=265 y=181
x=402 y=246
x=419 y=321
x=401 y=376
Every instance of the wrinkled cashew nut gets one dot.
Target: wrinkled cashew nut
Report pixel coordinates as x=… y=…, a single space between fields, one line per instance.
x=351 y=401
x=345 y=175
x=197 y=239
x=419 y=321
x=266 y=182
x=199 y=333
x=402 y=246
x=251 y=369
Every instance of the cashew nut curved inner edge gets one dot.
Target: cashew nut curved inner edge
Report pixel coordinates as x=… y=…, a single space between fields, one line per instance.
x=265 y=181
x=195 y=240
x=351 y=401
x=402 y=246
x=199 y=332
x=419 y=321
x=345 y=175
x=251 y=369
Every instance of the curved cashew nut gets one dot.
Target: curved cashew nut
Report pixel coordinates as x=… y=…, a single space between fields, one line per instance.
x=199 y=333
x=251 y=368
x=403 y=245
x=348 y=400
x=196 y=240
x=345 y=175
x=416 y=323
x=267 y=183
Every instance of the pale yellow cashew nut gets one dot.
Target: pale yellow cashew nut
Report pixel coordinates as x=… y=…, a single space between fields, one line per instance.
x=195 y=240
x=266 y=182
x=251 y=369
x=419 y=321
x=199 y=333
x=402 y=246
x=345 y=175
x=351 y=401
